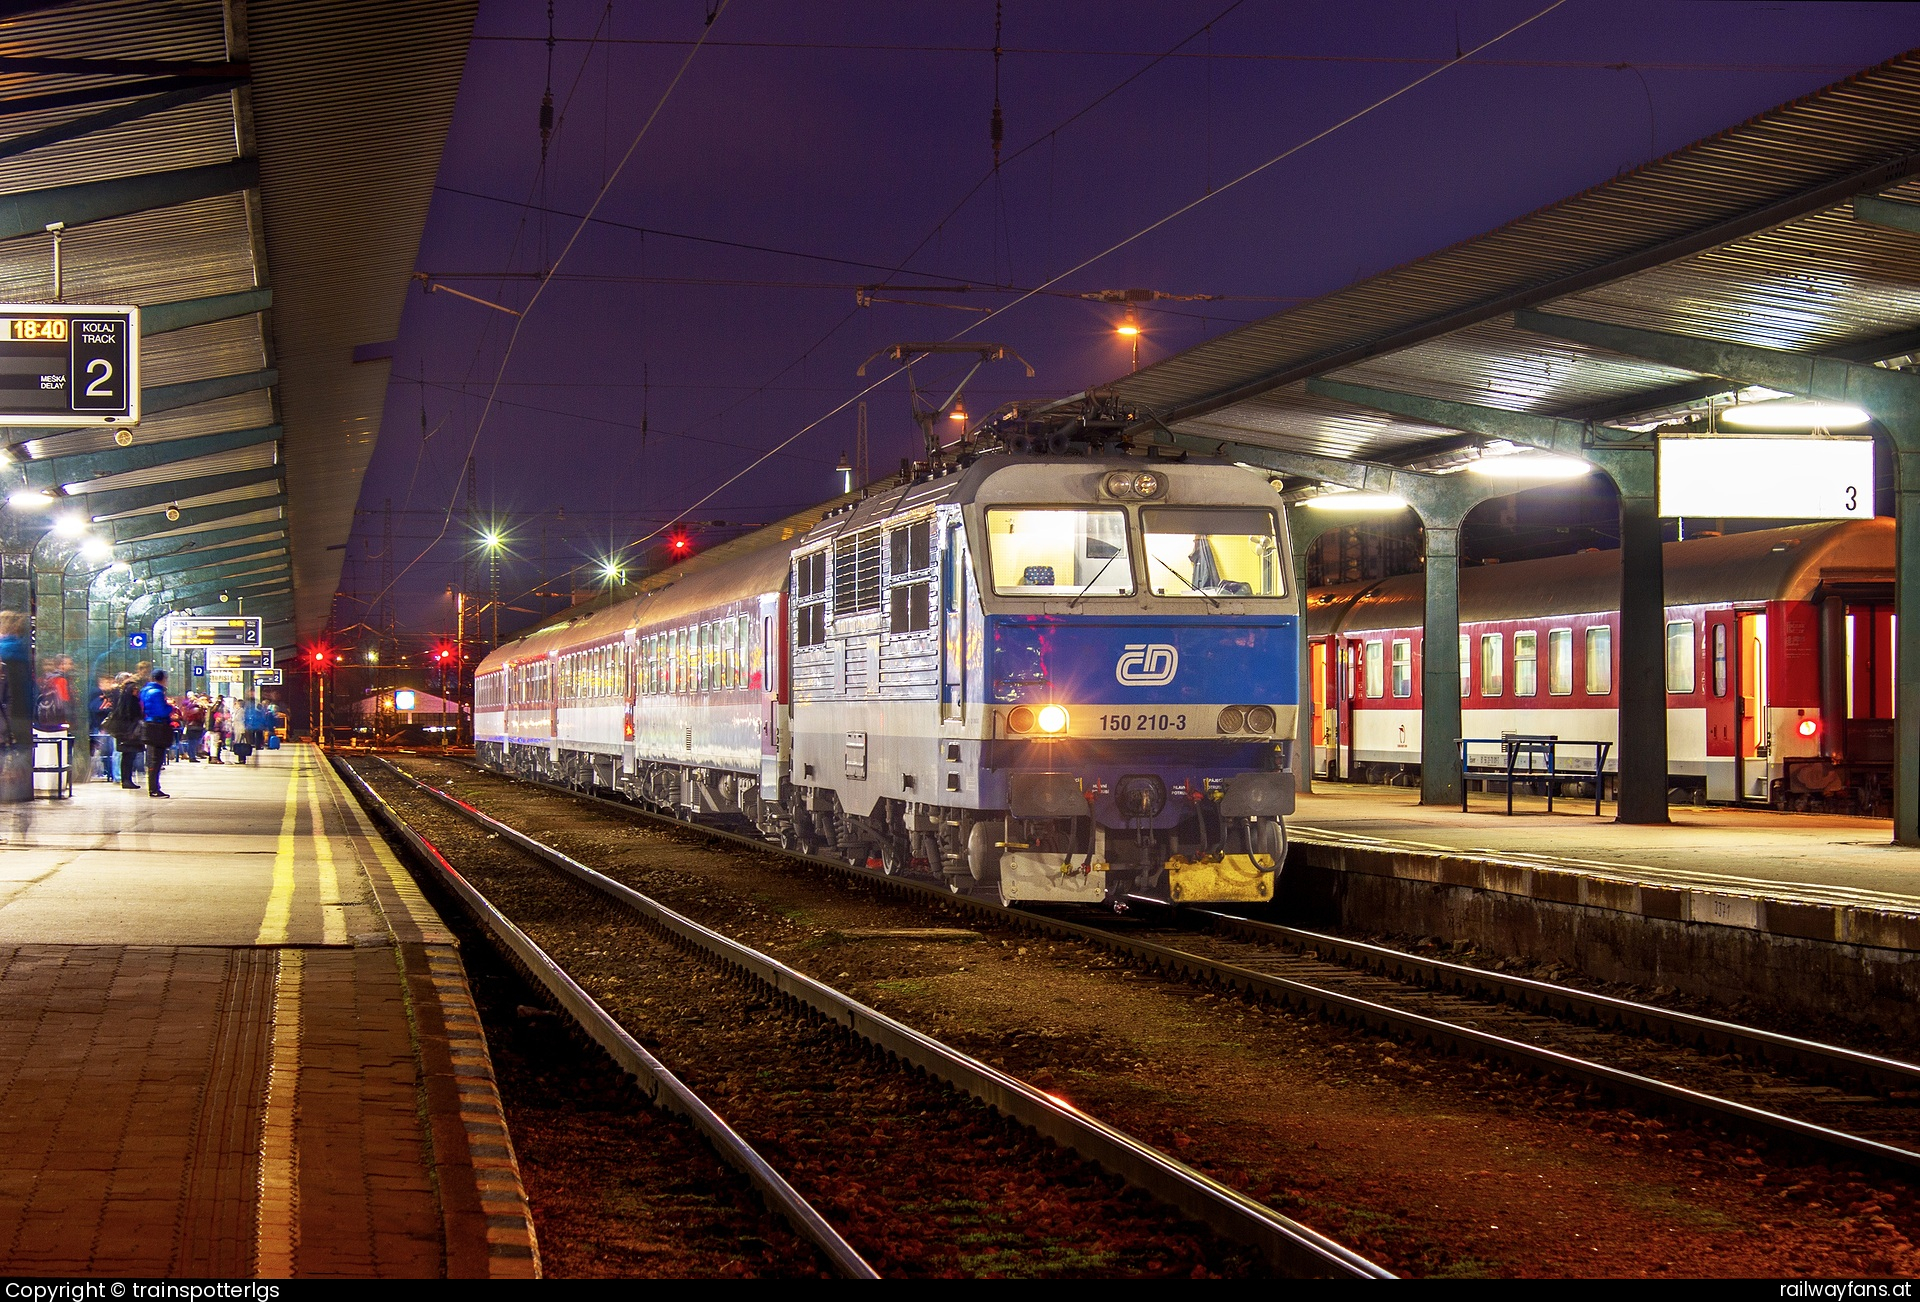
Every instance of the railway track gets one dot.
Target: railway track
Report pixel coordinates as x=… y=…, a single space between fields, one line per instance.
x=1835 y=1101
x=849 y=1140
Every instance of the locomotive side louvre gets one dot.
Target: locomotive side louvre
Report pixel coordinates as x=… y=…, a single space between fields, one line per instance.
x=1778 y=663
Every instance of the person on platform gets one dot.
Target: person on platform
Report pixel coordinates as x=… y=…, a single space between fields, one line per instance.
x=129 y=730
x=156 y=713
x=193 y=720
x=16 y=712
x=99 y=726
x=257 y=721
x=220 y=728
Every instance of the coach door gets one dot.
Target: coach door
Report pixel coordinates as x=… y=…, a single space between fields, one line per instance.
x=1750 y=706
x=954 y=619
x=1317 y=678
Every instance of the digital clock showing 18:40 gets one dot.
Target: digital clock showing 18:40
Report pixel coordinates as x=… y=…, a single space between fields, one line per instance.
x=39 y=330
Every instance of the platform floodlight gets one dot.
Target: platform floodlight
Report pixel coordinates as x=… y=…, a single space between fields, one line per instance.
x=29 y=499
x=1349 y=500
x=70 y=526
x=1795 y=414
x=1529 y=465
x=97 y=549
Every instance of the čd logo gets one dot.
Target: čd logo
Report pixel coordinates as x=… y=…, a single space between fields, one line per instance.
x=1147 y=664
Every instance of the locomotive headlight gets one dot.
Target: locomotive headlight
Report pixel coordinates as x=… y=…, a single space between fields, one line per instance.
x=1260 y=718
x=1134 y=485
x=1808 y=727
x=1232 y=719
x=1020 y=718
x=1052 y=719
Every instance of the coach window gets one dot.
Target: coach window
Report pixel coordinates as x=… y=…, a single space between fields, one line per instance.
x=1376 y=670
x=1559 y=662
x=1403 y=667
x=1526 y=663
x=1680 y=657
x=1599 y=660
x=1492 y=664
x=1466 y=666
x=1719 y=659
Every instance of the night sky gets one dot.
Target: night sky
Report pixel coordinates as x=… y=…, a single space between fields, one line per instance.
x=710 y=311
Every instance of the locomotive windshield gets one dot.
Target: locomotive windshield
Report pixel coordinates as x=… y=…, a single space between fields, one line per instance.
x=1059 y=551
x=1212 y=551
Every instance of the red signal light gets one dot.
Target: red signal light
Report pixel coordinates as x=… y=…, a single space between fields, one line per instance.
x=1808 y=727
x=681 y=544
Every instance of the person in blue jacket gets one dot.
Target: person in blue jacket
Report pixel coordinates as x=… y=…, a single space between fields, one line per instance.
x=157 y=712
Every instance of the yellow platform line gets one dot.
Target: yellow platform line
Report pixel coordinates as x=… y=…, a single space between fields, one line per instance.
x=277 y=1216
x=273 y=927
x=333 y=916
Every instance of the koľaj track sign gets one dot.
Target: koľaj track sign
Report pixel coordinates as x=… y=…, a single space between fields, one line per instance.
x=64 y=366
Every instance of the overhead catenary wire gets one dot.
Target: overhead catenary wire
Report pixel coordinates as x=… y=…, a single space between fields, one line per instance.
x=506 y=356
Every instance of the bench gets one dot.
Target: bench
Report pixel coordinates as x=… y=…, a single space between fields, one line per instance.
x=1540 y=751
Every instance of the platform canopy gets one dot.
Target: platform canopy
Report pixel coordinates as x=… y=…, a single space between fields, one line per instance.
x=255 y=177
x=1798 y=230
x=1775 y=258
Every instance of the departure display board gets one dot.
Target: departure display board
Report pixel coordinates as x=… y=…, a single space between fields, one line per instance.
x=1767 y=477
x=267 y=678
x=239 y=657
x=186 y=632
x=63 y=366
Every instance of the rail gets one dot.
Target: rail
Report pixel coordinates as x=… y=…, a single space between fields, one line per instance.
x=1289 y=1245
x=1625 y=1085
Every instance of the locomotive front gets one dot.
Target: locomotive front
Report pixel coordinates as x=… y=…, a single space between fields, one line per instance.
x=1139 y=669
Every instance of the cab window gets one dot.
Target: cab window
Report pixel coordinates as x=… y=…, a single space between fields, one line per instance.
x=1212 y=551
x=1059 y=552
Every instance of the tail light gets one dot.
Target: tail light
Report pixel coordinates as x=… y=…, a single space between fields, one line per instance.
x=1808 y=727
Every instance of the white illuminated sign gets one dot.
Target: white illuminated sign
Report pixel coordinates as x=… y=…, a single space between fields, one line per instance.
x=1799 y=477
x=403 y=700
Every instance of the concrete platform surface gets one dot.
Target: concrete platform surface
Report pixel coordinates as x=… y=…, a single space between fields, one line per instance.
x=236 y=1041
x=1803 y=858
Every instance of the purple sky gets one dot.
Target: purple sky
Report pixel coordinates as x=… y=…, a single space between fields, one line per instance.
x=857 y=134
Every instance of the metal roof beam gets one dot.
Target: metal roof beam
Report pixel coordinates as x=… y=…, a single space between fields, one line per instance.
x=171 y=397
x=59 y=99
x=1890 y=213
x=268 y=608
x=153 y=549
x=195 y=592
x=29 y=212
x=1892 y=396
x=193 y=516
x=265 y=549
x=51 y=471
x=218 y=575
x=162 y=318
x=118 y=501
x=195 y=90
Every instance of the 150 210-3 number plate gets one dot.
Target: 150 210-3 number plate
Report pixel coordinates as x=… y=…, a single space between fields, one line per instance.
x=1143 y=723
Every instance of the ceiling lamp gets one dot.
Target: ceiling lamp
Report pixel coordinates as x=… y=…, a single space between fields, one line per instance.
x=97 y=549
x=1530 y=465
x=1346 y=500
x=29 y=499
x=70 y=526
x=1795 y=414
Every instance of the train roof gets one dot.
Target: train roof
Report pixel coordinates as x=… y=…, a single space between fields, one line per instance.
x=1763 y=565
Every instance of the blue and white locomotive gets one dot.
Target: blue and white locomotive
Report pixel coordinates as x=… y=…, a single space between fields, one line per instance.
x=1064 y=679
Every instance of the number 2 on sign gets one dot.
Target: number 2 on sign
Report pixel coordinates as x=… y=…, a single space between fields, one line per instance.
x=101 y=368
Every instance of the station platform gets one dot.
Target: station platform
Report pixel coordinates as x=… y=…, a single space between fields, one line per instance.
x=236 y=1041
x=1816 y=876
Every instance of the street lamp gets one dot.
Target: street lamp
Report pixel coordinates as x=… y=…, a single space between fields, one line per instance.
x=1129 y=330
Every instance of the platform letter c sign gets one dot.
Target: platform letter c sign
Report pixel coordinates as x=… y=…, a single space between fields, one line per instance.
x=1147 y=664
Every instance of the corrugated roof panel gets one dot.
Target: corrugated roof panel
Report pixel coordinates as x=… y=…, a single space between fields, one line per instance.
x=220 y=463
x=252 y=410
x=209 y=499
x=231 y=347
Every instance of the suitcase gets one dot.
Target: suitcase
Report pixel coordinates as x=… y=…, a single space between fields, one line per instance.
x=273 y=741
x=242 y=749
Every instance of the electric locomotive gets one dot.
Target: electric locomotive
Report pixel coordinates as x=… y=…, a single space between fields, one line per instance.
x=1061 y=679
